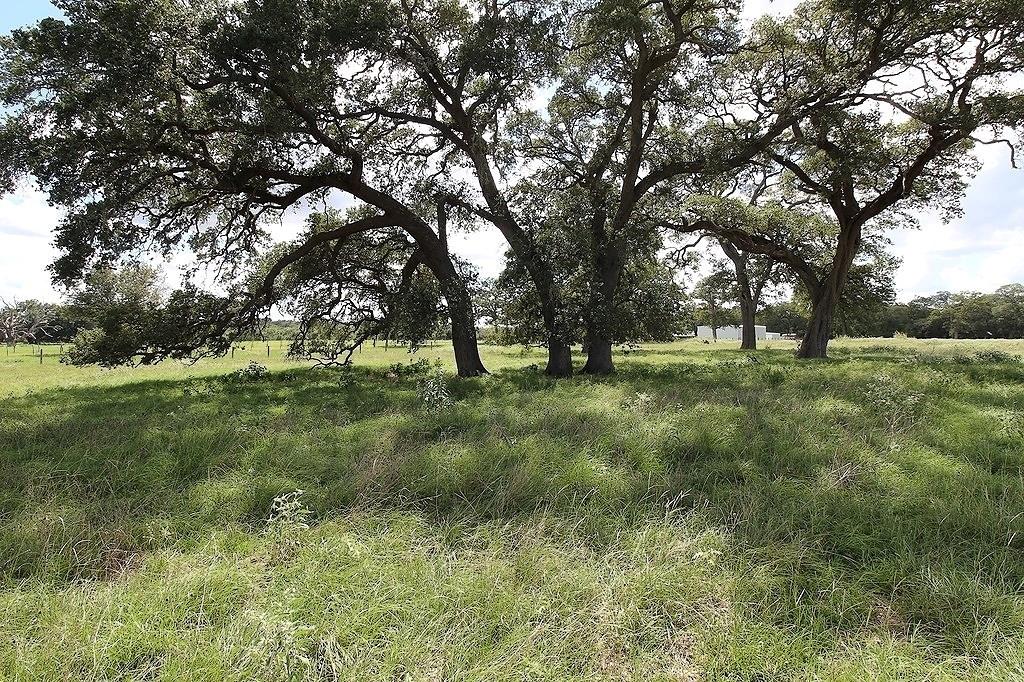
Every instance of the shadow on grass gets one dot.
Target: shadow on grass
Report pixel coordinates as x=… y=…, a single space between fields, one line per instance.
x=836 y=520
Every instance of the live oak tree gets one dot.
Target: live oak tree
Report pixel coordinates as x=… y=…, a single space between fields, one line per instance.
x=443 y=75
x=647 y=97
x=790 y=244
x=903 y=143
x=657 y=98
x=642 y=101
x=163 y=126
x=629 y=68
x=755 y=276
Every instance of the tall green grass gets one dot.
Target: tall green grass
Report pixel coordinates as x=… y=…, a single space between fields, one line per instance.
x=704 y=514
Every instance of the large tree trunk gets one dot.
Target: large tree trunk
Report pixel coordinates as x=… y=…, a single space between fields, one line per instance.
x=608 y=264
x=559 y=351
x=599 y=357
x=748 y=304
x=749 y=337
x=464 y=341
x=819 y=330
x=559 y=358
x=460 y=304
x=540 y=271
x=825 y=297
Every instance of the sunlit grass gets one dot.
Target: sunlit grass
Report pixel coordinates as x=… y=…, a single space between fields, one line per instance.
x=697 y=516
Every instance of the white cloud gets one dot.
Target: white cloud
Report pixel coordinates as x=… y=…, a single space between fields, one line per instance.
x=753 y=9
x=976 y=253
x=26 y=234
x=485 y=248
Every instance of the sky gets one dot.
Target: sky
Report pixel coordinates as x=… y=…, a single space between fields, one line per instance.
x=979 y=252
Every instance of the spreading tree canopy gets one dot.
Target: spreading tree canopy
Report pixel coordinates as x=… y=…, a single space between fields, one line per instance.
x=579 y=129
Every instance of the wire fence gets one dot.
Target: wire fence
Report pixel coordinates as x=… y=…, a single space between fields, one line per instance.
x=46 y=353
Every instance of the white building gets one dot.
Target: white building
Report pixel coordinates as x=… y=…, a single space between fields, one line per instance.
x=732 y=333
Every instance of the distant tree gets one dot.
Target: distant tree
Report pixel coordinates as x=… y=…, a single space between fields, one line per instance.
x=928 y=317
x=755 y=277
x=419 y=313
x=489 y=305
x=1008 y=311
x=714 y=293
x=275 y=330
x=966 y=315
x=786 y=317
x=971 y=316
x=25 y=321
x=515 y=301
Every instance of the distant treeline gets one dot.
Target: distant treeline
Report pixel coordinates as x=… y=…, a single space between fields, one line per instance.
x=60 y=323
x=275 y=330
x=945 y=315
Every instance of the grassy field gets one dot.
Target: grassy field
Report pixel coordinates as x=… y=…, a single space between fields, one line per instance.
x=702 y=515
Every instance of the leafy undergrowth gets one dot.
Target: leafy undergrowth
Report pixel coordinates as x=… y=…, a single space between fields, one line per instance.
x=701 y=515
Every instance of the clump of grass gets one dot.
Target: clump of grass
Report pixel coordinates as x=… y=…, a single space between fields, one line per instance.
x=639 y=403
x=772 y=377
x=289 y=517
x=996 y=355
x=1011 y=423
x=898 y=407
x=271 y=649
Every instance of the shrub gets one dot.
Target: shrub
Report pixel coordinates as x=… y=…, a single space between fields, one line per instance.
x=254 y=371
x=411 y=369
x=434 y=392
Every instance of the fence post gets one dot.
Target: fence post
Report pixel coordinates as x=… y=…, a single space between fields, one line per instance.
x=40 y=355
x=268 y=350
x=232 y=352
